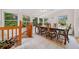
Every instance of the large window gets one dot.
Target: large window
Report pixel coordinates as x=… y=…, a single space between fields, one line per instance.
x=40 y=21
x=35 y=21
x=10 y=19
x=62 y=20
x=26 y=20
x=45 y=21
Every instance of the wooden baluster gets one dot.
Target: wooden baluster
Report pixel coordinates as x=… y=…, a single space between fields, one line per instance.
x=7 y=34
x=16 y=32
x=2 y=35
x=12 y=34
x=16 y=35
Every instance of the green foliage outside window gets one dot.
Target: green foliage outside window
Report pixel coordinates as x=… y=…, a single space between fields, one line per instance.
x=10 y=19
x=26 y=21
x=35 y=21
x=62 y=20
x=40 y=21
x=45 y=21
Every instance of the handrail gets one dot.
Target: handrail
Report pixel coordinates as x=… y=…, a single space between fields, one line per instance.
x=9 y=27
x=12 y=28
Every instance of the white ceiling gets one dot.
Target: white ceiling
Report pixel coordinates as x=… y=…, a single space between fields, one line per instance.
x=37 y=12
x=32 y=12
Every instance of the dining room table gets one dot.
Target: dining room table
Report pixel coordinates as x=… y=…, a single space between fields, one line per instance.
x=57 y=29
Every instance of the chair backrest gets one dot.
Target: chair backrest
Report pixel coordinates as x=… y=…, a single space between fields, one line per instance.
x=69 y=27
x=48 y=25
x=38 y=25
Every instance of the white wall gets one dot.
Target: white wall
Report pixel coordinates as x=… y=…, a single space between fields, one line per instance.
x=0 y=17
x=0 y=22
x=0 y=14
x=76 y=23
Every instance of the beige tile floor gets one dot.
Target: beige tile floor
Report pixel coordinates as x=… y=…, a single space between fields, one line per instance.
x=40 y=42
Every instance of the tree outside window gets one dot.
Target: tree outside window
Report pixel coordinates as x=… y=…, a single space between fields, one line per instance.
x=10 y=19
x=26 y=20
x=45 y=21
x=40 y=21
x=62 y=20
x=35 y=21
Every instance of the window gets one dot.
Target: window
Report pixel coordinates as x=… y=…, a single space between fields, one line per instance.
x=45 y=21
x=26 y=20
x=35 y=21
x=40 y=21
x=10 y=19
x=62 y=20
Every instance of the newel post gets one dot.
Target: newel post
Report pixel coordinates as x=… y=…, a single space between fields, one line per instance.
x=20 y=32
x=29 y=30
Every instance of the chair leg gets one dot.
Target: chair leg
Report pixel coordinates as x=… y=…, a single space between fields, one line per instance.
x=58 y=36
x=46 y=35
x=67 y=39
x=50 y=35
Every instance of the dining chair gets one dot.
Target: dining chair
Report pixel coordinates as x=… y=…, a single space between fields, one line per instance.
x=43 y=30
x=37 y=27
x=64 y=33
x=50 y=32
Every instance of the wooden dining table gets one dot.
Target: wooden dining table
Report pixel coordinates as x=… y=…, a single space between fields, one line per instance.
x=52 y=29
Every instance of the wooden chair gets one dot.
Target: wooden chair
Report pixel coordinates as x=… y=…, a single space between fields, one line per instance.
x=64 y=33
x=37 y=27
x=47 y=33
x=53 y=33
x=43 y=31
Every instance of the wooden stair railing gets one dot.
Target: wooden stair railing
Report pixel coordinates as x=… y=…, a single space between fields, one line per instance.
x=12 y=28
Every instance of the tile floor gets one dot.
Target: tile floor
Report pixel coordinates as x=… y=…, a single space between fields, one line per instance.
x=40 y=42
